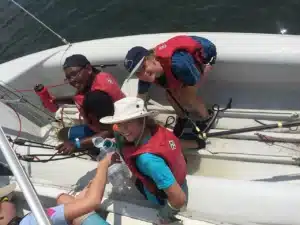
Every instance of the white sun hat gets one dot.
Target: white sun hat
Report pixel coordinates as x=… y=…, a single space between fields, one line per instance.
x=127 y=109
x=7 y=190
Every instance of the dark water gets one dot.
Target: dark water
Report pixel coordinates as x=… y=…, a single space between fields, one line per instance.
x=79 y=20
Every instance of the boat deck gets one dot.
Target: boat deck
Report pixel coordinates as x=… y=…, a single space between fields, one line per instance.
x=118 y=213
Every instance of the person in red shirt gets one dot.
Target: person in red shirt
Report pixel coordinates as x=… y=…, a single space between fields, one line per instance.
x=85 y=78
x=180 y=65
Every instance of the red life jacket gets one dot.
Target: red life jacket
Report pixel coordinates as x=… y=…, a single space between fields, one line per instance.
x=164 y=52
x=102 y=82
x=164 y=144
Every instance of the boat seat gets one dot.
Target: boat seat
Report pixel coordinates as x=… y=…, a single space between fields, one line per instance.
x=69 y=113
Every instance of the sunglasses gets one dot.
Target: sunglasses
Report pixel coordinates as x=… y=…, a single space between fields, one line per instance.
x=4 y=199
x=72 y=75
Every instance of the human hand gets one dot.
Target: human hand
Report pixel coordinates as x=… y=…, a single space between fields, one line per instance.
x=108 y=158
x=166 y=214
x=67 y=147
x=207 y=69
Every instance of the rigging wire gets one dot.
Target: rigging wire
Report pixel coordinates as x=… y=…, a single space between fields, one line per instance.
x=13 y=91
x=19 y=121
x=21 y=98
x=52 y=157
x=47 y=86
x=40 y=22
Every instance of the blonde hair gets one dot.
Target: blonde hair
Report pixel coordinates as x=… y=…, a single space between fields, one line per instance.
x=151 y=54
x=150 y=124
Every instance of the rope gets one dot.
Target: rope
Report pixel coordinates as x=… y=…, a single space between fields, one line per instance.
x=271 y=141
x=62 y=116
x=215 y=108
x=39 y=21
x=49 y=86
x=169 y=121
x=22 y=99
x=13 y=92
x=35 y=157
x=19 y=121
x=201 y=134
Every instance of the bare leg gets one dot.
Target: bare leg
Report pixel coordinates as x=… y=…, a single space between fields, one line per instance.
x=188 y=95
x=181 y=120
x=178 y=111
x=200 y=107
x=65 y=199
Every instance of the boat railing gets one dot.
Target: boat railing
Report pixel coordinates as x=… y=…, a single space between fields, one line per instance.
x=23 y=181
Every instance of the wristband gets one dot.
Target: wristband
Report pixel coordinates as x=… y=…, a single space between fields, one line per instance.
x=77 y=142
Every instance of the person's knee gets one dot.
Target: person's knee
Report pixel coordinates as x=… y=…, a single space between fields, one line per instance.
x=90 y=218
x=189 y=95
x=63 y=199
x=187 y=100
x=173 y=95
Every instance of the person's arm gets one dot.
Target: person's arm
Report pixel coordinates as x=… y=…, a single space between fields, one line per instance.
x=209 y=49
x=210 y=55
x=68 y=147
x=94 y=194
x=185 y=69
x=64 y=100
x=87 y=142
x=156 y=168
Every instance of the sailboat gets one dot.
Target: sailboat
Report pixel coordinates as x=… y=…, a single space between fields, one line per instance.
x=243 y=176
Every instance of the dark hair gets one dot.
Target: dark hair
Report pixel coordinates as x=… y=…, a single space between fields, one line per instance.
x=15 y=221
x=98 y=103
x=151 y=124
x=63 y=134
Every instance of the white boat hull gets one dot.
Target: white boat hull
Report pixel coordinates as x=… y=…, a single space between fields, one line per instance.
x=251 y=68
x=236 y=179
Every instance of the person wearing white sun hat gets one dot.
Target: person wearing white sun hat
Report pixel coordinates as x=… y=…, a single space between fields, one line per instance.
x=153 y=154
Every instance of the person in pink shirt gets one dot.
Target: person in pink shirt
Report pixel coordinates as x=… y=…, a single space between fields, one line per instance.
x=77 y=210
